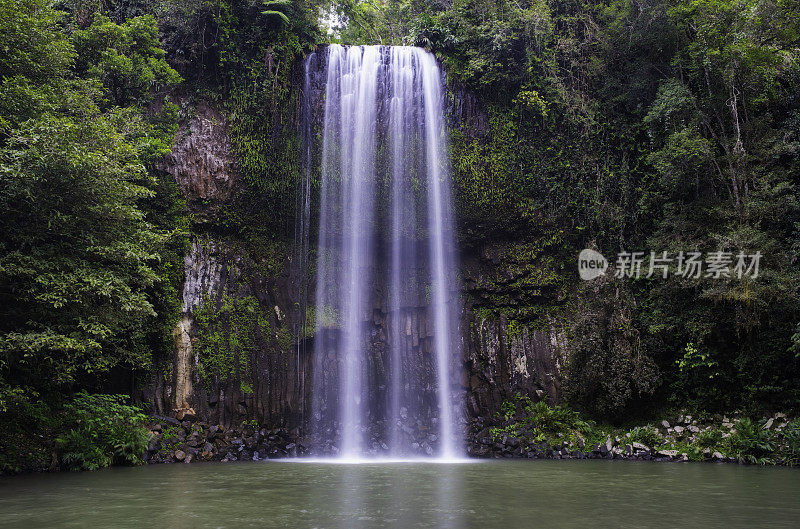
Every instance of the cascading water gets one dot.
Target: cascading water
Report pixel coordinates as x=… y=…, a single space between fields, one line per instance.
x=386 y=347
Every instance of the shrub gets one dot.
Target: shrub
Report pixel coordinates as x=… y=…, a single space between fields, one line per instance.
x=647 y=435
x=791 y=443
x=610 y=371
x=537 y=421
x=751 y=443
x=711 y=439
x=106 y=432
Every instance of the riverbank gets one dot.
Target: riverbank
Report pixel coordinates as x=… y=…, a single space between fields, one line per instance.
x=535 y=430
x=523 y=430
x=772 y=441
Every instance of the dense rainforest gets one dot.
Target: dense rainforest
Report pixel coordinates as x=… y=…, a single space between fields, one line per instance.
x=621 y=126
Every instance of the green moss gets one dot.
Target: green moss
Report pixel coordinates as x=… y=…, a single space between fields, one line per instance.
x=285 y=339
x=488 y=172
x=530 y=286
x=266 y=144
x=229 y=332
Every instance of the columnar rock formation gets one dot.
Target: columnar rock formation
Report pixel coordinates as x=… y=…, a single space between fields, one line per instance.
x=498 y=360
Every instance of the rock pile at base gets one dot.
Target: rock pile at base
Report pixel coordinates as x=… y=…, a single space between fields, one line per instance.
x=187 y=441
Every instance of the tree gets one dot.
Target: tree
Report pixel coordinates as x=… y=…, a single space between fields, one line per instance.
x=79 y=257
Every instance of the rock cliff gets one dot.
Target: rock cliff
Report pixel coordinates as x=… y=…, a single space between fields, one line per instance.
x=241 y=349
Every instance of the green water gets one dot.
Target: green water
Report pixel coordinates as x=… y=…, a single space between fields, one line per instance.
x=477 y=494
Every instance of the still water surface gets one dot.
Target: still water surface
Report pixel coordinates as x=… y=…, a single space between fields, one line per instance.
x=475 y=494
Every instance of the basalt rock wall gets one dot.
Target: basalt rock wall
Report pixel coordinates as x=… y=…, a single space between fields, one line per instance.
x=243 y=345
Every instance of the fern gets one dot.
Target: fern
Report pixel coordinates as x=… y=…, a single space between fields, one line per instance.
x=751 y=443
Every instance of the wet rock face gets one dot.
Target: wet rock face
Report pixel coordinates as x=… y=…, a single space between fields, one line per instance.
x=207 y=268
x=416 y=438
x=265 y=386
x=465 y=112
x=503 y=362
x=498 y=361
x=512 y=342
x=202 y=162
x=411 y=331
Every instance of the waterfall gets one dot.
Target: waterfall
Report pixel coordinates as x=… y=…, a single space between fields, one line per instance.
x=387 y=354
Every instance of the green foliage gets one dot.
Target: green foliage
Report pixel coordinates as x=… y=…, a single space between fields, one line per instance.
x=374 y=22
x=79 y=253
x=490 y=175
x=127 y=58
x=696 y=371
x=647 y=435
x=245 y=59
x=169 y=439
x=751 y=443
x=29 y=426
x=530 y=276
x=91 y=233
x=791 y=443
x=106 y=432
x=267 y=148
x=274 y=9
x=485 y=44
x=34 y=50
x=229 y=332
x=714 y=125
x=537 y=422
x=711 y=439
x=608 y=368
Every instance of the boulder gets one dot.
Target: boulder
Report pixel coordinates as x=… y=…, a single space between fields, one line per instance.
x=186 y=414
x=169 y=420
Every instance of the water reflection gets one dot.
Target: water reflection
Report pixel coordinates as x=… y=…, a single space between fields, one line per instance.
x=448 y=498
x=397 y=494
